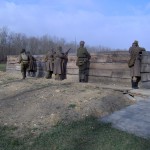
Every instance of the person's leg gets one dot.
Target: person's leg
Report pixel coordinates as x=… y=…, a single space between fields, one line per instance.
x=59 y=77
x=47 y=75
x=81 y=75
x=133 y=82
x=50 y=74
x=56 y=76
x=23 y=70
x=137 y=81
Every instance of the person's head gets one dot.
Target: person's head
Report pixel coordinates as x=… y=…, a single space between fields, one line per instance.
x=23 y=51
x=59 y=48
x=82 y=43
x=136 y=43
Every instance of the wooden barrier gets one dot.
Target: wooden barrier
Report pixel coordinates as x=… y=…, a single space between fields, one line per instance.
x=145 y=70
x=104 y=66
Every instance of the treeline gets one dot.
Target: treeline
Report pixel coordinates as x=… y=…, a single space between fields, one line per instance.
x=11 y=44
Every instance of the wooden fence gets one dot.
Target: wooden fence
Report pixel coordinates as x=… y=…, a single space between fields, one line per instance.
x=110 y=66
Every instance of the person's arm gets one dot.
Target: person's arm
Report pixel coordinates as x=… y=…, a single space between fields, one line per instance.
x=19 y=59
x=88 y=54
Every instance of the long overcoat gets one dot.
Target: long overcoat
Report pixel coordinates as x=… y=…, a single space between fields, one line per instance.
x=32 y=64
x=49 y=61
x=83 y=56
x=58 y=58
x=135 y=53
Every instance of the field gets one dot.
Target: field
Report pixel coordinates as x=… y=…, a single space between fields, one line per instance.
x=41 y=114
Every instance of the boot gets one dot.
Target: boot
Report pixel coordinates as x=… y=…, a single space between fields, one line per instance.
x=23 y=76
x=134 y=84
x=47 y=75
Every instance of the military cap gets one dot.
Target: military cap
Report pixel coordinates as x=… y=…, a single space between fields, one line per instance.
x=135 y=42
x=23 y=50
x=82 y=42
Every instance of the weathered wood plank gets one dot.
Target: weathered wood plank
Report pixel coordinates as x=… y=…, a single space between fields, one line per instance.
x=119 y=66
x=145 y=77
x=107 y=65
x=145 y=68
x=103 y=73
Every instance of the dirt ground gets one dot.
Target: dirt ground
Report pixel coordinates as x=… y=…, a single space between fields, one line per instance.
x=42 y=103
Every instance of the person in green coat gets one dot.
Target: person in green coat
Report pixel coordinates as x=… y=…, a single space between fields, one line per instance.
x=135 y=68
x=83 y=62
x=24 y=61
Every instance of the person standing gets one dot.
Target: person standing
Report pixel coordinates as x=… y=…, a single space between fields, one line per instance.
x=64 y=64
x=58 y=58
x=49 y=64
x=83 y=57
x=32 y=69
x=135 y=63
x=24 y=61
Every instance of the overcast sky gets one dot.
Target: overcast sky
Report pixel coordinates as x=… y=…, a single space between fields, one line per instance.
x=110 y=23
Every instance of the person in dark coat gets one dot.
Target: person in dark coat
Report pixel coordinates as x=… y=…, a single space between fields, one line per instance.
x=64 y=64
x=83 y=62
x=24 y=61
x=32 y=68
x=58 y=59
x=135 y=56
x=49 y=64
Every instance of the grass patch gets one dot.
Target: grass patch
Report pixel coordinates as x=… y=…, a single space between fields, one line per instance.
x=72 y=106
x=2 y=67
x=87 y=134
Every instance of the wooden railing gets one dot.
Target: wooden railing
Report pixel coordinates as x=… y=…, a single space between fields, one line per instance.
x=103 y=66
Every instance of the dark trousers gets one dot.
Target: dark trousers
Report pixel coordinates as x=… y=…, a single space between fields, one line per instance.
x=49 y=74
x=24 y=67
x=135 y=82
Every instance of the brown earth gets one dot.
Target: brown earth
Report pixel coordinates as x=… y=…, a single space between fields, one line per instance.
x=41 y=103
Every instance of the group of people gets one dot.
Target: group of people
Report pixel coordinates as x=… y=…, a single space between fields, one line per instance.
x=56 y=63
x=28 y=64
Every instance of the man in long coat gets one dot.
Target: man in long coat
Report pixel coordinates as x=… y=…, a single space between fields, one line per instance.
x=32 y=69
x=49 y=64
x=58 y=67
x=135 y=56
x=83 y=62
x=64 y=64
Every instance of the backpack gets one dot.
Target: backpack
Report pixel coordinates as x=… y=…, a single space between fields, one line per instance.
x=24 y=57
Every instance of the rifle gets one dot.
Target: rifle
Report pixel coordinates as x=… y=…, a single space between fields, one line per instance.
x=66 y=53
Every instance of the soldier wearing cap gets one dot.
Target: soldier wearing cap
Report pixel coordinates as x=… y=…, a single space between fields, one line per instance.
x=32 y=69
x=58 y=58
x=135 y=67
x=24 y=61
x=83 y=62
x=49 y=64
